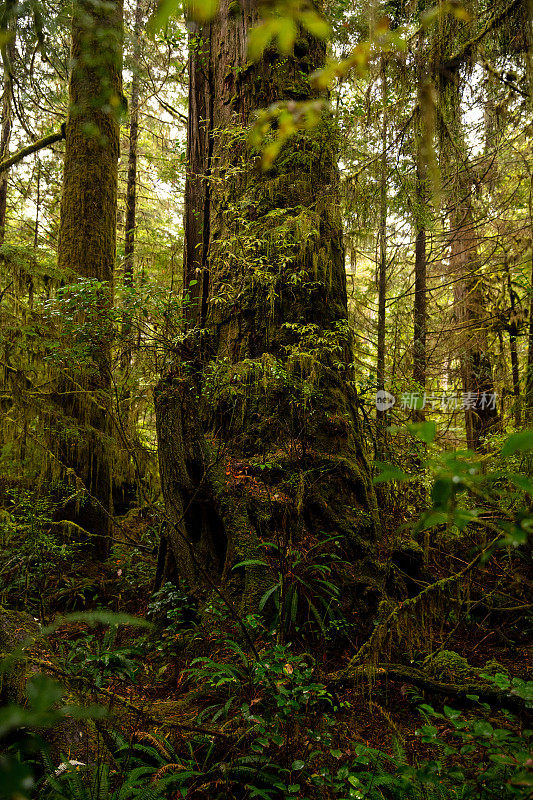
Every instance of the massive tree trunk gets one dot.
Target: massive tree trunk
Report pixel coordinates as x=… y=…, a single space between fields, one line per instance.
x=87 y=251
x=258 y=432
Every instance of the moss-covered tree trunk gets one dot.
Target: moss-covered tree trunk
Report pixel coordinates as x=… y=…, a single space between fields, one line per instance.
x=5 y=131
x=258 y=432
x=87 y=239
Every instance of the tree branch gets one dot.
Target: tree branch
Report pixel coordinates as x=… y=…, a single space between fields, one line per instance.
x=40 y=144
x=451 y=64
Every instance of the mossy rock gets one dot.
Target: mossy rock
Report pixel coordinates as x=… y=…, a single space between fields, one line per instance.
x=450 y=667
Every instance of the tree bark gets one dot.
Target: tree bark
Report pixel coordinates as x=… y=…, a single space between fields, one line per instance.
x=86 y=250
x=528 y=55
x=131 y=187
x=258 y=432
x=476 y=371
x=381 y=414
x=513 y=330
x=5 y=134
x=481 y=415
x=421 y=201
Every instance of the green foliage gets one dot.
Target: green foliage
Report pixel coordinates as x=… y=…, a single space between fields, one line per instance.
x=304 y=594
x=279 y=703
x=134 y=777
x=173 y=612
x=477 y=759
x=514 y=686
x=23 y=725
x=464 y=490
x=99 y=660
x=280 y=24
x=36 y=554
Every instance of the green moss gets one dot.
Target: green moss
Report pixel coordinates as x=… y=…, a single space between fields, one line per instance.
x=449 y=665
x=492 y=667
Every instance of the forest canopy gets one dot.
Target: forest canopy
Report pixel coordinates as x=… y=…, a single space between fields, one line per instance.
x=266 y=399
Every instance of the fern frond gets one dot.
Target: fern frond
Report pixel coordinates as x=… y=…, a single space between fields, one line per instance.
x=164 y=770
x=144 y=736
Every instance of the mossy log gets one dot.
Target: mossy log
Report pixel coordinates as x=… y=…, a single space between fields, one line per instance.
x=459 y=691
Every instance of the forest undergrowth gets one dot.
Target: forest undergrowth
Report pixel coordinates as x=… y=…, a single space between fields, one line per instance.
x=297 y=698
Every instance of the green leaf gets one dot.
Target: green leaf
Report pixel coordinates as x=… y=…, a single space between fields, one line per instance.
x=519 y=442
x=297 y=765
x=251 y=562
x=521 y=482
x=431 y=519
x=441 y=492
x=99 y=617
x=425 y=431
x=389 y=472
x=267 y=594
x=451 y=713
x=202 y=10
x=313 y=609
x=43 y=692
x=482 y=728
x=315 y=24
x=260 y=37
x=165 y=9
x=287 y=35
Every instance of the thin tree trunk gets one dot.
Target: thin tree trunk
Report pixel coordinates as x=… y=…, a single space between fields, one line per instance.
x=5 y=135
x=131 y=188
x=381 y=413
x=197 y=186
x=528 y=410
x=130 y=223
x=517 y=406
x=421 y=198
x=420 y=299
x=481 y=415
